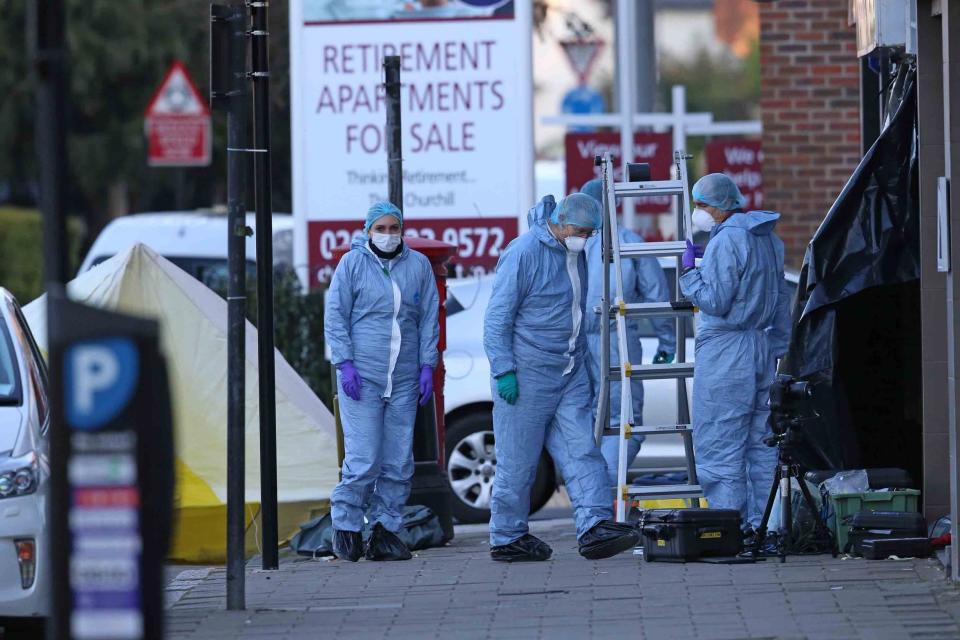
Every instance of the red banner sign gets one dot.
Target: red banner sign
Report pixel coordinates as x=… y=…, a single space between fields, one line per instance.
x=479 y=241
x=178 y=123
x=742 y=160
x=652 y=148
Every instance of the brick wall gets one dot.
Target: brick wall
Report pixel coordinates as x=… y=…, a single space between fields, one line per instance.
x=810 y=106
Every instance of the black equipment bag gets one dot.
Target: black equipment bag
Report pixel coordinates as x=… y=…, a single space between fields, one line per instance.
x=883 y=524
x=883 y=548
x=689 y=534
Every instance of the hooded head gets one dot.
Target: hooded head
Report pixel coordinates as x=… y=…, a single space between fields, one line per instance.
x=579 y=210
x=594 y=189
x=379 y=209
x=576 y=218
x=719 y=191
x=715 y=198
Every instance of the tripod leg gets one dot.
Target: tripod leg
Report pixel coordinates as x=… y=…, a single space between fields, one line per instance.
x=819 y=525
x=761 y=532
x=786 y=511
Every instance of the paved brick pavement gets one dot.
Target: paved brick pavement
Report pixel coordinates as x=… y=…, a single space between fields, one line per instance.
x=457 y=592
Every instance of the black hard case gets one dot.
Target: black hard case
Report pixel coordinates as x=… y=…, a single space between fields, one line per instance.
x=883 y=548
x=878 y=525
x=688 y=534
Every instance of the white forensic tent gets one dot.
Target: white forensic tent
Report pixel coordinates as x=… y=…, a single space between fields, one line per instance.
x=193 y=336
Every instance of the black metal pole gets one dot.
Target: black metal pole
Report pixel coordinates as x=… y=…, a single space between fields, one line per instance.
x=228 y=89
x=391 y=68
x=262 y=195
x=50 y=131
x=50 y=65
x=429 y=483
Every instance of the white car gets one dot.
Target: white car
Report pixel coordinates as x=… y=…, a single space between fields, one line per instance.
x=24 y=468
x=469 y=445
x=195 y=241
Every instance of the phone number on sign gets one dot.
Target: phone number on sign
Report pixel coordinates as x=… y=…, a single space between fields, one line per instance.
x=471 y=242
x=478 y=246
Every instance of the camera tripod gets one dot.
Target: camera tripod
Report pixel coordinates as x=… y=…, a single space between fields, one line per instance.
x=787 y=469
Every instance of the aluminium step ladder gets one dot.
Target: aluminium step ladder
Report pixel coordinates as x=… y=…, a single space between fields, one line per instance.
x=612 y=251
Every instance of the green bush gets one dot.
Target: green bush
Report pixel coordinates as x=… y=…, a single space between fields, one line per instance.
x=21 y=251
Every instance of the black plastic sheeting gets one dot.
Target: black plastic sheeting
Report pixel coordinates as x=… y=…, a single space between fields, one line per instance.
x=856 y=331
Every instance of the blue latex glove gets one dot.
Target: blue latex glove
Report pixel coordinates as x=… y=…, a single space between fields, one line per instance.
x=690 y=255
x=426 y=384
x=508 y=388
x=350 y=379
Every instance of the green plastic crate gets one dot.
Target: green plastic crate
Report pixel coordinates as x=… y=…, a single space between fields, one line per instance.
x=846 y=504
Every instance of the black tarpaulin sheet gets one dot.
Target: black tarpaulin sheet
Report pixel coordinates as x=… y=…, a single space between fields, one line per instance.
x=856 y=316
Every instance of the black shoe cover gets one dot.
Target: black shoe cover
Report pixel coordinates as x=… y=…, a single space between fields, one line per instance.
x=347 y=545
x=527 y=548
x=386 y=545
x=607 y=539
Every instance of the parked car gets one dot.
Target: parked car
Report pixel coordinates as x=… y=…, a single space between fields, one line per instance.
x=470 y=453
x=195 y=241
x=24 y=468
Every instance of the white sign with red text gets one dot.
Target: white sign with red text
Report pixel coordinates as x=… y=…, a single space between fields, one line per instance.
x=466 y=111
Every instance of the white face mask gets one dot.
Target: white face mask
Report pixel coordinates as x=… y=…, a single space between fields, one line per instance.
x=575 y=244
x=386 y=242
x=702 y=221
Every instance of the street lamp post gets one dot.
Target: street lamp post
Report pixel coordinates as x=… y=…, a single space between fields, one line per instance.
x=260 y=75
x=228 y=91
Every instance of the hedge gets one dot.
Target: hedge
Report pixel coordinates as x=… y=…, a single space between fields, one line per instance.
x=21 y=251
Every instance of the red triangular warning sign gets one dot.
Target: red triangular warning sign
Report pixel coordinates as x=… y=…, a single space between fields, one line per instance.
x=582 y=54
x=177 y=95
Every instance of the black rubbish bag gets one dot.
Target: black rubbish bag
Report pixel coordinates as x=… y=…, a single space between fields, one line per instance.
x=421 y=530
x=856 y=331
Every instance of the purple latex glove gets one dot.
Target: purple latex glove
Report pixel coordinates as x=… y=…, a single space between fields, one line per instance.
x=426 y=384
x=690 y=255
x=350 y=379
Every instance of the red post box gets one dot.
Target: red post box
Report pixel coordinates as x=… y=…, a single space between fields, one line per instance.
x=430 y=482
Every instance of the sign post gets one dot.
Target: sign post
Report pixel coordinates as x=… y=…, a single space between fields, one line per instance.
x=228 y=92
x=177 y=123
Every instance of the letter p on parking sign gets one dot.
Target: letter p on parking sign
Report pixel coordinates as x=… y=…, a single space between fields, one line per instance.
x=100 y=378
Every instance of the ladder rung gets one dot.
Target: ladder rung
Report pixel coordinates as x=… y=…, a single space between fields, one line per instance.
x=653 y=309
x=666 y=491
x=651 y=188
x=645 y=430
x=652 y=249
x=657 y=371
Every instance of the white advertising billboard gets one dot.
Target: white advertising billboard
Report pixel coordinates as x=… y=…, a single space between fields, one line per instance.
x=466 y=105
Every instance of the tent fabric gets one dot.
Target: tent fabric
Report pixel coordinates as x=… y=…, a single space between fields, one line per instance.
x=193 y=337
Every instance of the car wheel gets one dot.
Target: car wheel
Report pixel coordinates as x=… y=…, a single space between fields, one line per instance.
x=472 y=464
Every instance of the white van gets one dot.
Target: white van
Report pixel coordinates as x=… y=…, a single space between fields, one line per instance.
x=195 y=241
